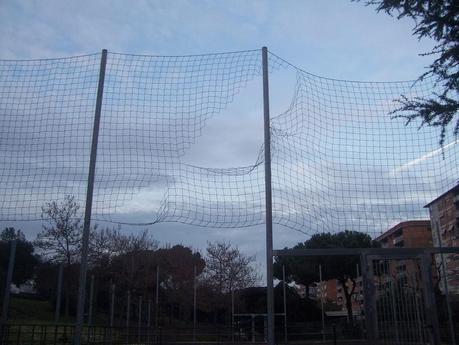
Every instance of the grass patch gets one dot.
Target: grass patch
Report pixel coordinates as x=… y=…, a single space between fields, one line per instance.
x=26 y=310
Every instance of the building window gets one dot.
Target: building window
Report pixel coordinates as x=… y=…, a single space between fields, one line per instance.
x=399 y=244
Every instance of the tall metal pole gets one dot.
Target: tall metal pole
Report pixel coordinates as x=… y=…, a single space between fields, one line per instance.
x=194 y=304
x=285 y=304
x=149 y=314
x=140 y=318
x=112 y=306
x=268 y=195
x=394 y=312
x=91 y=300
x=322 y=302
x=9 y=278
x=369 y=298
x=89 y=194
x=148 y=321
x=359 y=296
x=416 y=306
x=157 y=297
x=128 y=309
x=357 y=271
x=128 y=315
x=232 y=315
x=59 y=293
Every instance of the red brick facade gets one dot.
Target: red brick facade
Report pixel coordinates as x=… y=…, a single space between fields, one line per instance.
x=408 y=234
x=444 y=217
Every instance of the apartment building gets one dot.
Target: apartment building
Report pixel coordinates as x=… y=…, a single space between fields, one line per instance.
x=444 y=218
x=407 y=234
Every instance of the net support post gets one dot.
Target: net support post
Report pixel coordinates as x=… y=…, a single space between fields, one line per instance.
x=128 y=309
x=157 y=297
x=268 y=195
x=140 y=320
x=91 y=300
x=9 y=278
x=112 y=305
x=285 y=304
x=194 y=303
x=232 y=315
x=60 y=277
x=322 y=302
x=89 y=195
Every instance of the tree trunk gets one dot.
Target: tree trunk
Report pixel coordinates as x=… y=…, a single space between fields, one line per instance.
x=350 y=315
x=348 y=296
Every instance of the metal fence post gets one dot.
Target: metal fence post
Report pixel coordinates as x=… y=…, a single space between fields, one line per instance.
x=149 y=321
x=9 y=278
x=430 y=305
x=157 y=297
x=149 y=314
x=445 y=287
x=268 y=196
x=128 y=309
x=253 y=328
x=128 y=315
x=140 y=318
x=232 y=315
x=91 y=300
x=59 y=293
x=285 y=305
x=89 y=195
x=112 y=306
x=322 y=302
x=194 y=304
x=394 y=311
x=369 y=299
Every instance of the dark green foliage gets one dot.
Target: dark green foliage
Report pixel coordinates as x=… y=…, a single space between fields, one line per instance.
x=305 y=270
x=46 y=278
x=136 y=271
x=25 y=260
x=438 y=20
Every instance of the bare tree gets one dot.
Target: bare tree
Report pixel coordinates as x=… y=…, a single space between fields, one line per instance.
x=227 y=269
x=60 y=239
x=141 y=241
x=107 y=243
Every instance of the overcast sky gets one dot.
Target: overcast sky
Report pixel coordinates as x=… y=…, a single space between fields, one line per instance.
x=338 y=39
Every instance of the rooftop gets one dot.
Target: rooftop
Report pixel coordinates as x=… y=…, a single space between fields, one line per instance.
x=408 y=223
x=455 y=188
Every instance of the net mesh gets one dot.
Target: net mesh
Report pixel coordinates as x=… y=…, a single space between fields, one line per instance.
x=46 y=118
x=340 y=160
x=343 y=158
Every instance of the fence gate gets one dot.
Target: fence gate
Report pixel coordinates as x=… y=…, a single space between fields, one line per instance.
x=399 y=299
